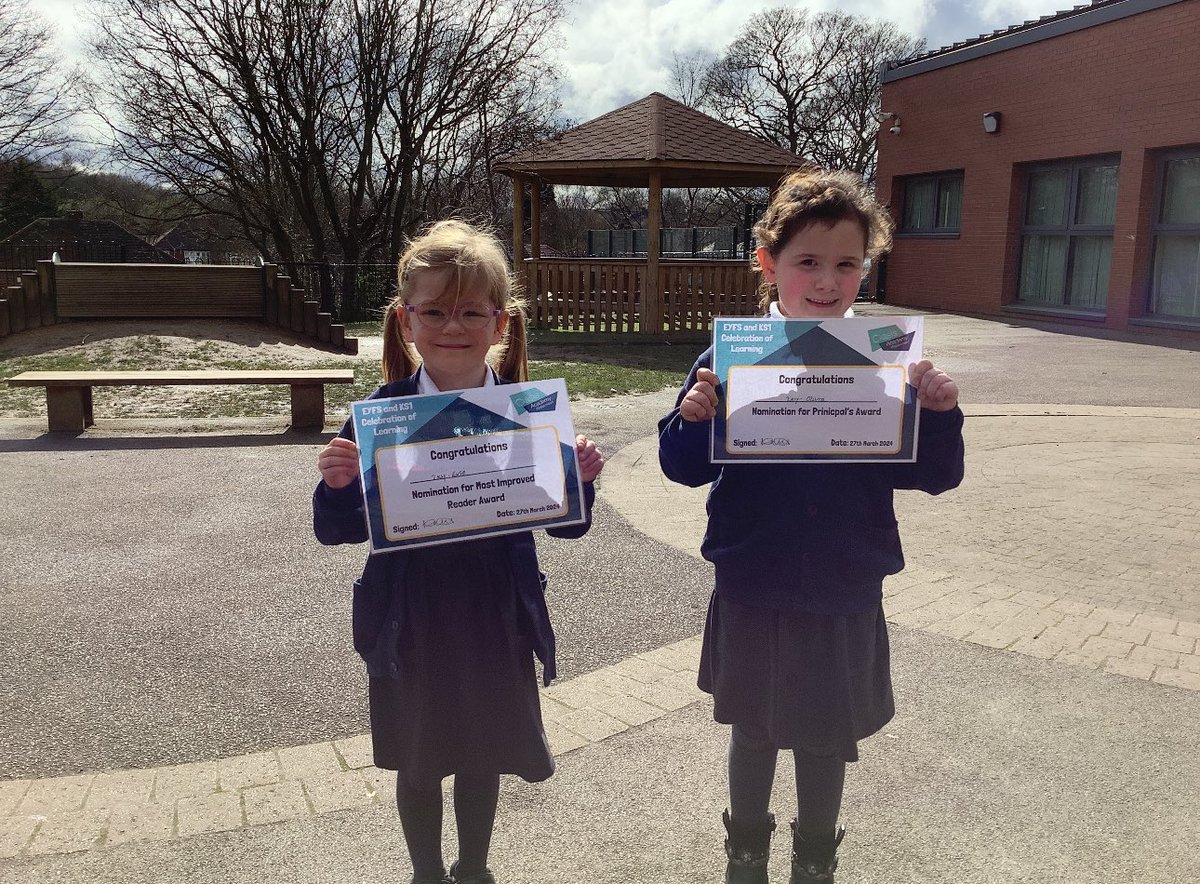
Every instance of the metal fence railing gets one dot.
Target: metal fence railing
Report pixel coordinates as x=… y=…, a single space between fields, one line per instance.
x=25 y=255
x=677 y=242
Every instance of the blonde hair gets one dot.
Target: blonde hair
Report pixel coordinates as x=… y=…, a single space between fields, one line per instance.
x=815 y=196
x=478 y=266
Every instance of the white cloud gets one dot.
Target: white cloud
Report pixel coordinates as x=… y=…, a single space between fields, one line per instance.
x=66 y=17
x=619 y=51
x=1014 y=12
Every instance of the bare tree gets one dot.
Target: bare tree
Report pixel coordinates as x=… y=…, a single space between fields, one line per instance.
x=623 y=208
x=36 y=100
x=848 y=140
x=689 y=77
x=568 y=217
x=807 y=82
x=328 y=129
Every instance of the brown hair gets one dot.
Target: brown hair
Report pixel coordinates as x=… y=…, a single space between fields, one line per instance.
x=479 y=266
x=814 y=196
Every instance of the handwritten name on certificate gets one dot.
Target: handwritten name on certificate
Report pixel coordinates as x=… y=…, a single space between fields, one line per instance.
x=469 y=463
x=816 y=390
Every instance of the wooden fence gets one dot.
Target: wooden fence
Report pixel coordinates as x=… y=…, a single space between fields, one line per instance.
x=600 y=295
x=694 y=292
x=63 y=292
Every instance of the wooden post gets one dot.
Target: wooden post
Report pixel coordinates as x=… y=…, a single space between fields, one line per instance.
x=69 y=409
x=651 y=290
x=33 y=301
x=311 y=309
x=308 y=406
x=45 y=276
x=296 y=309
x=283 y=301
x=16 y=308
x=270 y=301
x=535 y=221
x=518 y=223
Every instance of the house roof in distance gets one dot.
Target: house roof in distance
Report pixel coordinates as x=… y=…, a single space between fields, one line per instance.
x=656 y=133
x=203 y=233
x=78 y=239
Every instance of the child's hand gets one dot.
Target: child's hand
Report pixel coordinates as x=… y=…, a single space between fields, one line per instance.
x=936 y=390
x=338 y=463
x=591 y=461
x=700 y=403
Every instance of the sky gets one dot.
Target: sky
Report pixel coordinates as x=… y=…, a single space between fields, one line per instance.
x=617 y=51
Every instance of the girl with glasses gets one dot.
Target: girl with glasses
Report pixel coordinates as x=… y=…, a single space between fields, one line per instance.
x=449 y=632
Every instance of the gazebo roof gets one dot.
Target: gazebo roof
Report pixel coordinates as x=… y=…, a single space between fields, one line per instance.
x=622 y=147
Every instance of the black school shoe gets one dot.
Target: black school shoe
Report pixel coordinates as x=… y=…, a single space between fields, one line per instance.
x=748 y=849
x=814 y=857
x=484 y=877
x=444 y=879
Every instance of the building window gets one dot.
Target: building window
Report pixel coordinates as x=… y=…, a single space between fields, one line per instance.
x=1175 y=283
x=932 y=204
x=1066 y=237
x=195 y=257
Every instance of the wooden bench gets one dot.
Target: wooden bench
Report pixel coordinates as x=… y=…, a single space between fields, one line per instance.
x=69 y=393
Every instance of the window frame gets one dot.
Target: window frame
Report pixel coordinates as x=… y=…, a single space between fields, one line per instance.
x=1069 y=229
x=902 y=231
x=1160 y=228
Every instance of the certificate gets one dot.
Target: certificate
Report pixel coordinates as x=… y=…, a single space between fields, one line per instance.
x=469 y=463
x=816 y=390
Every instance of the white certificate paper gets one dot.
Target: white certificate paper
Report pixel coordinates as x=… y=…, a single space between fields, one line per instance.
x=465 y=464
x=810 y=390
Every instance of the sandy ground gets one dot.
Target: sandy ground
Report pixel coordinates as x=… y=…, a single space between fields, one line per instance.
x=166 y=343
x=232 y=340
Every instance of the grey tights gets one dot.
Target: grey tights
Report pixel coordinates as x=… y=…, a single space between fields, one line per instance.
x=820 y=778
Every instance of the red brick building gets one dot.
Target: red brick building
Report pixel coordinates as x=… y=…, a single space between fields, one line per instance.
x=1051 y=169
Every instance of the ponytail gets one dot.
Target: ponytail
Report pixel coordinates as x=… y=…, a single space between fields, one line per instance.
x=398 y=359
x=514 y=361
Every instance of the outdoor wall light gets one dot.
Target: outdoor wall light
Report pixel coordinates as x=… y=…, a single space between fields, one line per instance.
x=991 y=122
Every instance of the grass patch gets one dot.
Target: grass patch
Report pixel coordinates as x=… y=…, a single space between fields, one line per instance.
x=373 y=328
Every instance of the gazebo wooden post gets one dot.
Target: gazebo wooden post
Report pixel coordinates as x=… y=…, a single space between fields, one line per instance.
x=535 y=220
x=518 y=258
x=651 y=290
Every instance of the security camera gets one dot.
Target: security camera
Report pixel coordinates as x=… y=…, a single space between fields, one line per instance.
x=895 y=130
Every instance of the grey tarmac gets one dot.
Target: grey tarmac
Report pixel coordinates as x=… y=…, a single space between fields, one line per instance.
x=181 y=703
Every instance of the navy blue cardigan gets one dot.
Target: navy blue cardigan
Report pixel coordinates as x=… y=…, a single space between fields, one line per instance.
x=339 y=516
x=815 y=537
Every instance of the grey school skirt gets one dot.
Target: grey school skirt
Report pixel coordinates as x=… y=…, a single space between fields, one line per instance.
x=810 y=681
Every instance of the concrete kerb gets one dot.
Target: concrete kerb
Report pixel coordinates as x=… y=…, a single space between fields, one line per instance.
x=73 y=814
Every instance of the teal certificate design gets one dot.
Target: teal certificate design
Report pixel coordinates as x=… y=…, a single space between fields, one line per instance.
x=816 y=390
x=468 y=463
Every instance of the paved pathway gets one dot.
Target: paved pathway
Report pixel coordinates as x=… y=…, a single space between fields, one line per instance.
x=1074 y=540
x=1075 y=536
x=1087 y=557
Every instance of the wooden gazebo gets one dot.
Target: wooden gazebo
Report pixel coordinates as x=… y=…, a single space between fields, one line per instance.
x=655 y=142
